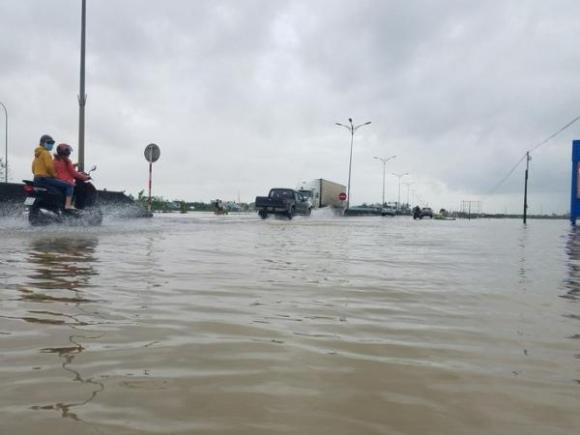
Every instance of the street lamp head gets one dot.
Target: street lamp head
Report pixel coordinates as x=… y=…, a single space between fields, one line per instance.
x=367 y=123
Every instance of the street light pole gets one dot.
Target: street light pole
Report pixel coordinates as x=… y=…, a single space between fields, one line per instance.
x=352 y=128
x=399 y=176
x=82 y=96
x=5 y=142
x=384 y=160
x=408 y=189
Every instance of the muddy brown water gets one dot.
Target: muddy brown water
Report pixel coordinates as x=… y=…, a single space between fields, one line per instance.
x=202 y=324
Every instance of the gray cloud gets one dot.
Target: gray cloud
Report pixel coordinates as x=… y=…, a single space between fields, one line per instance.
x=244 y=95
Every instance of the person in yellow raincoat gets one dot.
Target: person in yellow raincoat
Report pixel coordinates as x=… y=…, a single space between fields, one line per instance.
x=44 y=172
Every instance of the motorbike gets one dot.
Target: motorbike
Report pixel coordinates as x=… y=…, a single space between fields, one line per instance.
x=417 y=213
x=218 y=207
x=46 y=204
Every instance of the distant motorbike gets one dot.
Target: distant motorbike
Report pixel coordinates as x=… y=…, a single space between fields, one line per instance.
x=417 y=213
x=218 y=207
x=46 y=204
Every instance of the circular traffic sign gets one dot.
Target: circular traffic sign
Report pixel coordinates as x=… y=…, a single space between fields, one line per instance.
x=152 y=153
x=342 y=196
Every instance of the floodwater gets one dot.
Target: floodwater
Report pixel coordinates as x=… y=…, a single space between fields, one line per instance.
x=202 y=324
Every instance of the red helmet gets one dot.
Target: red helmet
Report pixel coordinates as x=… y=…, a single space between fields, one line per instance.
x=63 y=150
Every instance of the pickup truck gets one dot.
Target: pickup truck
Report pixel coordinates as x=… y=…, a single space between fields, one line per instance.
x=282 y=201
x=426 y=212
x=420 y=213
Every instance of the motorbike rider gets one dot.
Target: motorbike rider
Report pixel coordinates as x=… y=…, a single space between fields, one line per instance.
x=416 y=212
x=64 y=168
x=44 y=172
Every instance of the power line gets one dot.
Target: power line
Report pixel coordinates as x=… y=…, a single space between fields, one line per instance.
x=554 y=134
x=504 y=179
x=532 y=149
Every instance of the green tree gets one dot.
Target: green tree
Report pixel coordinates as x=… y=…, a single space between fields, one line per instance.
x=158 y=203
x=2 y=170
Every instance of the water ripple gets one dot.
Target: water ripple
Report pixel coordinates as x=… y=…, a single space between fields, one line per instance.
x=230 y=324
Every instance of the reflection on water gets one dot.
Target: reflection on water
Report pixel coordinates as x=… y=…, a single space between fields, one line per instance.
x=523 y=244
x=60 y=269
x=573 y=251
x=230 y=324
x=61 y=263
x=573 y=281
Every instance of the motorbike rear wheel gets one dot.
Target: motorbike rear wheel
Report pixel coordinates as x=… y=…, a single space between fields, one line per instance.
x=36 y=218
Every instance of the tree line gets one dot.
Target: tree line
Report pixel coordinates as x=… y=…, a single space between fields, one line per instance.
x=161 y=205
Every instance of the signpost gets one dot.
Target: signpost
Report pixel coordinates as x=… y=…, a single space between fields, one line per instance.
x=342 y=196
x=152 y=153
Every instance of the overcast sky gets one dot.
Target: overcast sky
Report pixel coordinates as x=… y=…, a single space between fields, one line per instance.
x=244 y=95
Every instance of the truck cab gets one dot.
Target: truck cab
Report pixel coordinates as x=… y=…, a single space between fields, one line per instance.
x=308 y=196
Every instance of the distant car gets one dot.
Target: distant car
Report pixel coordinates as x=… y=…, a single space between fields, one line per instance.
x=388 y=211
x=426 y=212
x=363 y=210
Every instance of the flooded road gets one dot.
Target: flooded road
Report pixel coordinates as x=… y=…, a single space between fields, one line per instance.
x=202 y=324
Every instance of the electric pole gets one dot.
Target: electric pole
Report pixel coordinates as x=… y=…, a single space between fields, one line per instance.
x=528 y=158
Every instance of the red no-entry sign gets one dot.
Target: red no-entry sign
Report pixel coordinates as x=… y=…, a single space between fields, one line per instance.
x=342 y=196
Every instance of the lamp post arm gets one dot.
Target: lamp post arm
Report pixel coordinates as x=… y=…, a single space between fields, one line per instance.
x=356 y=127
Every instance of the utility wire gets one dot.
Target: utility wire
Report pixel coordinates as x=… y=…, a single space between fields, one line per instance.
x=554 y=134
x=534 y=148
x=504 y=179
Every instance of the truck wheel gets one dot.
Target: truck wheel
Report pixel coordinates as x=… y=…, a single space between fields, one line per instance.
x=263 y=214
x=291 y=213
x=308 y=212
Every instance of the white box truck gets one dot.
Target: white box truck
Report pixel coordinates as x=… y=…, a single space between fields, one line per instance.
x=323 y=193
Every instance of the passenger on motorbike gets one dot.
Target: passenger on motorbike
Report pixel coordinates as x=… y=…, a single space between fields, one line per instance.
x=44 y=172
x=65 y=169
